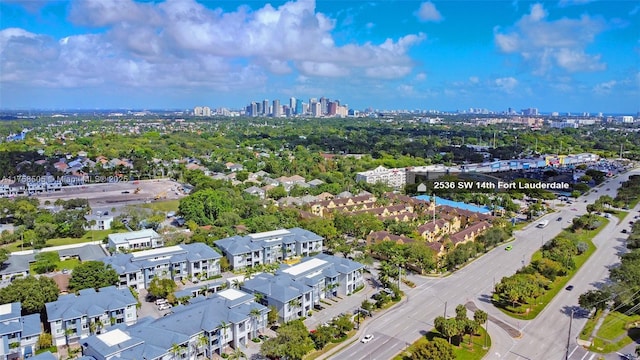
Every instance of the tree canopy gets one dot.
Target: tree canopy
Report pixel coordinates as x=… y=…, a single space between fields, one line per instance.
x=92 y=274
x=32 y=292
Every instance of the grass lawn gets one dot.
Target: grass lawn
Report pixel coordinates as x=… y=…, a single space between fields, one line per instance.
x=163 y=206
x=620 y=214
x=332 y=345
x=69 y=264
x=616 y=332
x=561 y=281
x=585 y=334
x=463 y=351
x=91 y=235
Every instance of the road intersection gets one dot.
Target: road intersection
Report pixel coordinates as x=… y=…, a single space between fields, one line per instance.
x=545 y=337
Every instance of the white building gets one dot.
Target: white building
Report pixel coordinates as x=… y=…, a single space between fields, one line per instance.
x=178 y=262
x=135 y=240
x=396 y=177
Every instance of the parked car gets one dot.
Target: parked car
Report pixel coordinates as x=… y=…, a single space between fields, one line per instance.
x=508 y=248
x=166 y=306
x=569 y=288
x=161 y=301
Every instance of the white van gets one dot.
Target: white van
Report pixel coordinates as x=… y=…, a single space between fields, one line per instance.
x=161 y=301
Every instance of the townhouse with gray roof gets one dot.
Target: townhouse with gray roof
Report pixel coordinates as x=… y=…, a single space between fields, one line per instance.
x=134 y=240
x=295 y=290
x=229 y=318
x=269 y=247
x=18 y=334
x=73 y=317
x=187 y=261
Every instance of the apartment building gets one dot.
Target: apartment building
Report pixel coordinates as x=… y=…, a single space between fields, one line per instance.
x=295 y=290
x=178 y=262
x=225 y=320
x=396 y=178
x=73 y=317
x=269 y=247
x=18 y=334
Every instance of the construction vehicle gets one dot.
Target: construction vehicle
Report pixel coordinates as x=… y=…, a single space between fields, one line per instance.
x=161 y=195
x=137 y=190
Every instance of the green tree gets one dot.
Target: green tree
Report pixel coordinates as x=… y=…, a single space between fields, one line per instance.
x=32 y=292
x=343 y=324
x=46 y=261
x=4 y=255
x=323 y=335
x=93 y=274
x=480 y=317
x=293 y=342
x=595 y=299
x=272 y=315
x=161 y=288
x=435 y=349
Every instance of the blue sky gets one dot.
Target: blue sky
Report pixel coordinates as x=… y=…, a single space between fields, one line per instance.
x=564 y=55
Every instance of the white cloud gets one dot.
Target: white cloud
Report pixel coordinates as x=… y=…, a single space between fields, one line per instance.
x=428 y=12
x=546 y=44
x=183 y=43
x=474 y=79
x=421 y=76
x=605 y=87
x=506 y=84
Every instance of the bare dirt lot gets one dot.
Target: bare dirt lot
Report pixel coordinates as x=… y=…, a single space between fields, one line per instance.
x=118 y=194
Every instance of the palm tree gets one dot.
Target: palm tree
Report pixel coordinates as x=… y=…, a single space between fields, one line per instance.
x=175 y=350
x=258 y=297
x=294 y=303
x=237 y=354
x=255 y=314
x=201 y=341
x=222 y=336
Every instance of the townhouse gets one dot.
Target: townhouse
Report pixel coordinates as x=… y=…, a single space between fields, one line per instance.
x=229 y=318
x=18 y=334
x=296 y=290
x=187 y=261
x=269 y=247
x=73 y=317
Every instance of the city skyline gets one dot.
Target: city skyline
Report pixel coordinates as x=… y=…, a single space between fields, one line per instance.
x=565 y=56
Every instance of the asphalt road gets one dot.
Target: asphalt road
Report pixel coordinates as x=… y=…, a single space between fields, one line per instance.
x=543 y=338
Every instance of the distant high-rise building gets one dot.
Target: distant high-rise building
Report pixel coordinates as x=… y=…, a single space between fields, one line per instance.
x=324 y=102
x=332 y=108
x=265 y=107
x=197 y=111
x=292 y=105
x=254 y=109
x=316 y=109
x=259 y=108
x=277 y=109
x=530 y=112
x=299 y=110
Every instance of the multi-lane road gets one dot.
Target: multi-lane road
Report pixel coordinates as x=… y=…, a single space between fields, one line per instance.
x=545 y=337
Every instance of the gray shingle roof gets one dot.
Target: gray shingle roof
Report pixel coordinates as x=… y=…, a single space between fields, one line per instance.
x=237 y=245
x=89 y=301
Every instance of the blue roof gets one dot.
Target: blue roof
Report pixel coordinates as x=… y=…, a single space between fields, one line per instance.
x=47 y=355
x=129 y=263
x=237 y=245
x=284 y=286
x=151 y=338
x=455 y=204
x=89 y=302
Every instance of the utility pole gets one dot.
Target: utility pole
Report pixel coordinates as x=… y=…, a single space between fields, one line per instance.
x=569 y=336
x=445 y=309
